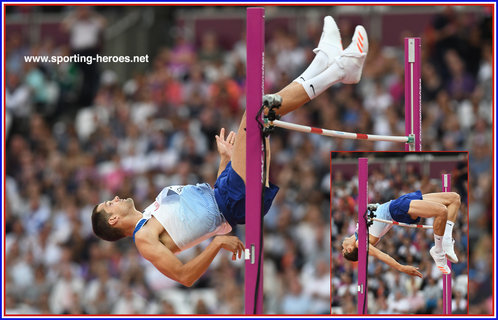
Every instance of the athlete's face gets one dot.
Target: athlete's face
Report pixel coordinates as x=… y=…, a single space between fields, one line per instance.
x=118 y=207
x=348 y=244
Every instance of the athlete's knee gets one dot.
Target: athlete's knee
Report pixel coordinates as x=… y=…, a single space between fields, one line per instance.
x=441 y=211
x=455 y=198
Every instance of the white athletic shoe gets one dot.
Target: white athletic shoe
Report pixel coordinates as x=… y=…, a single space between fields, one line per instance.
x=353 y=58
x=330 y=41
x=441 y=262
x=449 y=249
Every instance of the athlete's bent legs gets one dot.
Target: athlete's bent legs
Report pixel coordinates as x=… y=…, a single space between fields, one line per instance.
x=443 y=207
x=331 y=65
x=452 y=201
x=430 y=209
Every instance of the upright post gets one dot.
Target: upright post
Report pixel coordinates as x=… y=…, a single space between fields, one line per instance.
x=413 y=91
x=362 y=235
x=446 y=180
x=254 y=97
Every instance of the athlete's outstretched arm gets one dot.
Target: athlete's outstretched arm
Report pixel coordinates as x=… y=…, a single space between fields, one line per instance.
x=225 y=148
x=390 y=261
x=169 y=265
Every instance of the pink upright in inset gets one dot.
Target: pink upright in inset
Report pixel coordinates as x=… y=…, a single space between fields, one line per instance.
x=362 y=235
x=446 y=179
x=254 y=93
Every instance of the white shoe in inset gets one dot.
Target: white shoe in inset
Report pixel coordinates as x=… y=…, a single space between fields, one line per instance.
x=353 y=58
x=330 y=41
x=440 y=259
x=449 y=249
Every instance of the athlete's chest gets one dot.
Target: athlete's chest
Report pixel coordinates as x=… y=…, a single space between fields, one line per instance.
x=166 y=240
x=155 y=227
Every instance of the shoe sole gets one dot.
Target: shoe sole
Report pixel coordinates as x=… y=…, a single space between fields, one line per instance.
x=361 y=38
x=445 y=270
x=329 y=28
x=359 y=45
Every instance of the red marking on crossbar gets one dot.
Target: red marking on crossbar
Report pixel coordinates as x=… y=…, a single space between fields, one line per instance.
x=316 y=130
x=419 y=226
x=395 y=222
x=362 y=136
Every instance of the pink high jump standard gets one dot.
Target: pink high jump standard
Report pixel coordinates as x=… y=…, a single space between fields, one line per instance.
x=413 y=91
x=362 y=235
x=254 y=97
x=363 y=243
x=446 y=181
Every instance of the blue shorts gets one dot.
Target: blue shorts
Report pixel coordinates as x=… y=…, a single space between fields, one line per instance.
x=399 y=208
x=230 y=194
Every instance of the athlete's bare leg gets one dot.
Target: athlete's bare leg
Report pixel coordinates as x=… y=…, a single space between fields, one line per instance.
x=430 y=209
x=442 y=206
x=293 y=97
x=338 y=66
x=450 y=199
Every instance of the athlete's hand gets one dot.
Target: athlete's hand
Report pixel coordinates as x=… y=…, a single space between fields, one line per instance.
x=232 y=244
x=412 y=271
x=225 y=146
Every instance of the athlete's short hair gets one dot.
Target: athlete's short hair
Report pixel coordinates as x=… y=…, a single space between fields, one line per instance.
x=101 y=226
x=351 y=256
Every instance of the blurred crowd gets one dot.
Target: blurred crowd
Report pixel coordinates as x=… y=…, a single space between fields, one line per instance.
x=72 y=143
x=391 y=291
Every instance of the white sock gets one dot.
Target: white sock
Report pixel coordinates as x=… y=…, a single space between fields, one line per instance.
x=316 y=67
x=318 y=84
x=448 y=232
x=438 y=240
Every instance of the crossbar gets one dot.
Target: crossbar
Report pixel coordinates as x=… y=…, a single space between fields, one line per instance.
x=339 y=134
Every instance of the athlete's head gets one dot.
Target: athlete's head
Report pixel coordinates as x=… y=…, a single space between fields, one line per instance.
x=349 y=248
x=107 y=218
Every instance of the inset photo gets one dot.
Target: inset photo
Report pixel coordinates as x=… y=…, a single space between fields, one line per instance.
x=399 y=233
